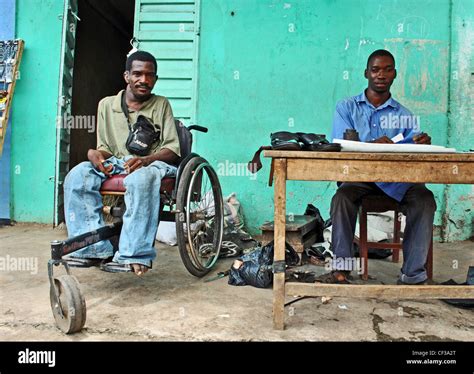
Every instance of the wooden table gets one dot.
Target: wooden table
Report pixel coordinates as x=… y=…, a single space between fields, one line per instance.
x=452 y=168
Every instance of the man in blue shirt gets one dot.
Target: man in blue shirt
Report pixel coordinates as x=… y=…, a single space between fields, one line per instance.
x=378 y=118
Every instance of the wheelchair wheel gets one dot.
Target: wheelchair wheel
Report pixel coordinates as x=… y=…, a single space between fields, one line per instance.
x=200 y=217
x=72 y=304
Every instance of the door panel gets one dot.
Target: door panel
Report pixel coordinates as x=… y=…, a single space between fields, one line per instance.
x=70 y=17
x=170 y=31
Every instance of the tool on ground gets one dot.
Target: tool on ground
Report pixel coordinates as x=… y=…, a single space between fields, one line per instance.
x=219 y=275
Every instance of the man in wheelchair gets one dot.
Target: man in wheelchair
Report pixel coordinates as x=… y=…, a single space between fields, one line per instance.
x=136 y=135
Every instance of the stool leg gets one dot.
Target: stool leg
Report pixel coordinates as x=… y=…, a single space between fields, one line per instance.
x=396 y=236
x=364 y=251
x=429 y=260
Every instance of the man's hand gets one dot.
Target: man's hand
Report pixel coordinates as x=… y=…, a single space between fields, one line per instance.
x=422 y=138
x=164 y=155
x=383 y=139
x=136 y=163
x=97 y=159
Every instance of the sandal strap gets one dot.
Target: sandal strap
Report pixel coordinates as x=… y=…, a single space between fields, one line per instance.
x=115 y=267
x=255 y=164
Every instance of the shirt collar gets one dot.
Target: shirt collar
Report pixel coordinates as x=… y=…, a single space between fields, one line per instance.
x=361 y=98
x=117 y=103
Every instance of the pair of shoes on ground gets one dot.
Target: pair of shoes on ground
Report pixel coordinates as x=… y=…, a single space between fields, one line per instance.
x=285 y=140
x=344 y=277
x=106 y=264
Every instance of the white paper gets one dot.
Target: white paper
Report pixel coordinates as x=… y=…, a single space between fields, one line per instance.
x=353 y=146
x=397 y=138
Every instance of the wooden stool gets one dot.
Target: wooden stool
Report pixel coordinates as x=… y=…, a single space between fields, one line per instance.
x=378 y=204
x=300 y=232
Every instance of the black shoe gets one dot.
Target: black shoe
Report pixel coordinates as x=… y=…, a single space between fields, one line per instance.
x=317 y=142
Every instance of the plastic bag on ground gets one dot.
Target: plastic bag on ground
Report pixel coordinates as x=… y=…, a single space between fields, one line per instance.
x=167 y=233
x=256 y=268
x=233 y=212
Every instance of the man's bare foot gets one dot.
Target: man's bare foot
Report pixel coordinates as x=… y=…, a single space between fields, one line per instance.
x=139 y=269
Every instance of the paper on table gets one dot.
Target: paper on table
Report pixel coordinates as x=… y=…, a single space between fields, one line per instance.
x=353 y=146
x=397 y=138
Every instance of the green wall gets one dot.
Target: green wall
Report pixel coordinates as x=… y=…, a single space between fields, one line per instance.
x=34 y=111
x=294 y=60
x=458 y=218
x=269 y=65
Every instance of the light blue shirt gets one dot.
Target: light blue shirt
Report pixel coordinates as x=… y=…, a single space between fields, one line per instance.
x=389 y=119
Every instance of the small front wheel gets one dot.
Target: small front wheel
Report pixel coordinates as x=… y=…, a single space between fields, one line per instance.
x=200 y=217
x=70 y=312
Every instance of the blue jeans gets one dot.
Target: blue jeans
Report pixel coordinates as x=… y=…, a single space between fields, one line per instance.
x=418 y=205
x=83 y=209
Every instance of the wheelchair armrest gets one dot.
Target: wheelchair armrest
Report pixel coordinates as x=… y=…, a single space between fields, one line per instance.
x=197 y=128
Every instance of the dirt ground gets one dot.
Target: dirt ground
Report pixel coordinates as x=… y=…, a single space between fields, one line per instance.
x=168 y=304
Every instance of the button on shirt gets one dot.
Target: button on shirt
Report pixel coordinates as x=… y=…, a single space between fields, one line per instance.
x=389 y=119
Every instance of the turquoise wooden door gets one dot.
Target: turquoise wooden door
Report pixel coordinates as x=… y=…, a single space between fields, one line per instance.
x=170 y=31
x=68 y=43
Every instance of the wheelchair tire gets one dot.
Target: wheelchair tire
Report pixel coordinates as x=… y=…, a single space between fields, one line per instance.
x=200 y=246
x=73 y=305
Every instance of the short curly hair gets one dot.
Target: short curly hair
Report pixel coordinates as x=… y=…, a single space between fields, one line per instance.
x=140 y=56
x=380 y=52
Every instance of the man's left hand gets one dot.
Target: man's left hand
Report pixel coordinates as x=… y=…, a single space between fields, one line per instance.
x=136 y=163
x=422 y=138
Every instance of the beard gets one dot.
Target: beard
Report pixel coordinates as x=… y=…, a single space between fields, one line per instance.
x=141 y=96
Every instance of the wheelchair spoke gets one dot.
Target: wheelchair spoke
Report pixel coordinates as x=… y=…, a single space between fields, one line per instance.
x=200 y=199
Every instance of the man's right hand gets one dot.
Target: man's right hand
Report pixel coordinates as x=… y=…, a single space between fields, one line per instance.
x=383 y=139
x=97 y=159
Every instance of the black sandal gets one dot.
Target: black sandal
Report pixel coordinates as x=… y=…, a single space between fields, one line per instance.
x=289 y=141
x=285 y=140
x=116 y=267
x=317 y=142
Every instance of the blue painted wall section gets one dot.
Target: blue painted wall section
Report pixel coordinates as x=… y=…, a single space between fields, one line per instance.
x=7 y=32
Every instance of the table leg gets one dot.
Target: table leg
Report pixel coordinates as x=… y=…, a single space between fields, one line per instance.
x=279 y=243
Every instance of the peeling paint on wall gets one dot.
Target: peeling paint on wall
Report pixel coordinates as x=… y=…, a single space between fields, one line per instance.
x=458 y=217
x=302 y=74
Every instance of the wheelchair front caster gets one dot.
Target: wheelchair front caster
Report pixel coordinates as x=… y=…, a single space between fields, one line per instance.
x=68 y=304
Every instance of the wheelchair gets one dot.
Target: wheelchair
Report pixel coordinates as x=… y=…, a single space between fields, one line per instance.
x=192 y=199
